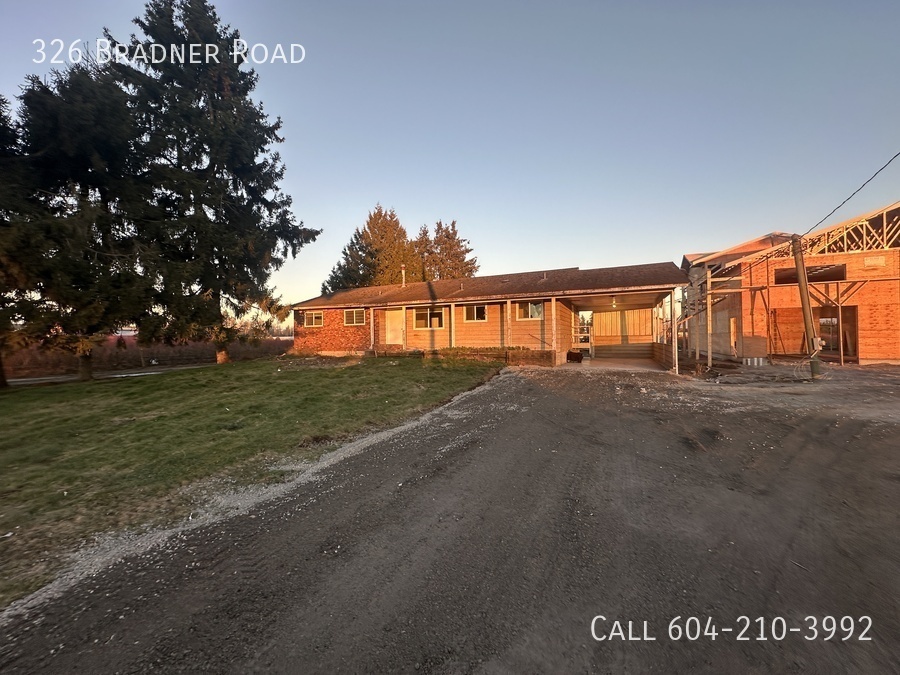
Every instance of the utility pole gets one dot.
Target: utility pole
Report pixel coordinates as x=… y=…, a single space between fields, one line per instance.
x=812 y=340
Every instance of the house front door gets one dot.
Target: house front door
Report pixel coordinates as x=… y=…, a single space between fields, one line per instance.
x=393 y=326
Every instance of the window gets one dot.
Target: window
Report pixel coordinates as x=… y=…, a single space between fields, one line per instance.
x=354 y=317
x=531 y=310
x=475 y=313
x=429 y=317
x=312 y=319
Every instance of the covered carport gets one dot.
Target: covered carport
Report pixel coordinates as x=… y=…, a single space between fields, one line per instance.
x=627 y=328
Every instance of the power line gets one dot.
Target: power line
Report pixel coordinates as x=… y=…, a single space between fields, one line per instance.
x=852 y=195
x=833 y=211
x=769 y=255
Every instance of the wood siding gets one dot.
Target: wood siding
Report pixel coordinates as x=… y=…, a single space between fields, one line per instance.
x=767 y=319
x=531 y=333
x=871 y=287
x=427 y=338
x=490 y=333
x=622 y=327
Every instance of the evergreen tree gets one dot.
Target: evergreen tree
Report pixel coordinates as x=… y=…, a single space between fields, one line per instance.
x=423 y=248
x=83 y=265
x=217 y=223
x=386 y=238
x=448 y=255
x=355 y=268
x=15 y=278
x=376 y=254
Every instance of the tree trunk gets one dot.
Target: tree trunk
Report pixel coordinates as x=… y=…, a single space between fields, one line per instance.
x=222 y=354
x=85 y=367
x=3 y=382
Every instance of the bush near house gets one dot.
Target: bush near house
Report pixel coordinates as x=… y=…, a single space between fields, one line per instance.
x=511 y=356
x=123 y=353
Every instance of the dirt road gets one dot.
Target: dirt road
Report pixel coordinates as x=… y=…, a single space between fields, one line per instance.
x=490 y=536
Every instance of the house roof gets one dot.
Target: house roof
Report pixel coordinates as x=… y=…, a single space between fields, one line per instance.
x=542 y=283
x=751 y=246
x=690 y=258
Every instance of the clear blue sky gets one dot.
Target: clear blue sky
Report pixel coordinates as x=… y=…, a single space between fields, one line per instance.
x=563 y=134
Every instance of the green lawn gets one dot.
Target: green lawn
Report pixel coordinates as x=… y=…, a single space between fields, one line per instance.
x=81 y=458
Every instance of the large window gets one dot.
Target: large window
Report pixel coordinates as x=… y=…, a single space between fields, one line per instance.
x=429 y=317
x=354 y=317
x=312 y=319
x=530 y=310
x=475 y=313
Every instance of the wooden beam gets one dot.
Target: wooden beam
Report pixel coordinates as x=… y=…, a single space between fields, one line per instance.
x=726 y=291
x=553 y=328
x=403 y=309
x=840 y=324
x=452 y=325
x=709 y=321
x=674 y=333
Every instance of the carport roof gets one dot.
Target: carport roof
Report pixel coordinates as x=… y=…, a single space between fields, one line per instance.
x=540 y=284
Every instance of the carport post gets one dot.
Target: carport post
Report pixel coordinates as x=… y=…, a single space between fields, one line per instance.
x=674 y=333
x=553 y=328
x=452 y=325
x=696 y=332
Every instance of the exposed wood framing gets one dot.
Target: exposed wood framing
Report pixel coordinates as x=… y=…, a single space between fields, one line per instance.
x=674 y=332
x=873 y=234
x=709 y=317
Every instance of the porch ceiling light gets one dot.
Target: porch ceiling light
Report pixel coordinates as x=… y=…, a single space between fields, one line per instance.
x=614 y=302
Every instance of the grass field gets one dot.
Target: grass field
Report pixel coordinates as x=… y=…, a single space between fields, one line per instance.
x=83 y=458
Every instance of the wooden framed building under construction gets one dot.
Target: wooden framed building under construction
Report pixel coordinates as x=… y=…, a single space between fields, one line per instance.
x=744 y=303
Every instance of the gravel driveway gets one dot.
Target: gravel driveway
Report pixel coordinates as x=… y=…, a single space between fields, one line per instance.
x=491 y=535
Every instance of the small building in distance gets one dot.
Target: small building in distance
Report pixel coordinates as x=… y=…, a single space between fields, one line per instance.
x=614 y=311
x=744 y=302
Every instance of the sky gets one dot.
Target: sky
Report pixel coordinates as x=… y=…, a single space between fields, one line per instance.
x=564 y=134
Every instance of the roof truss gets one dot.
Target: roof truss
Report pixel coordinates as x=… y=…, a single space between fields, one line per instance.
x=875 y=232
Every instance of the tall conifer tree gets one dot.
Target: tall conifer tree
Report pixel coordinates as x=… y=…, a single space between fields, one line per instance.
x=355 y=268
x=217 y=223
x=450 y=258
x=83 y=266
x=387 y=239
x=376 y=254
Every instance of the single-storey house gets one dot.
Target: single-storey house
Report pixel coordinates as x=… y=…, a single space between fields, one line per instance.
x=744 y=302
x=614 y=311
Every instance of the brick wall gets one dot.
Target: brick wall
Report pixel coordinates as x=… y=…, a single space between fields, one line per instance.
x=877 y=303
x=333 y=336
